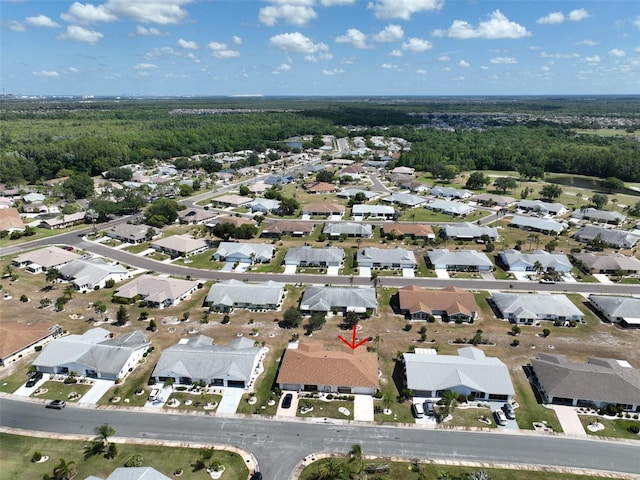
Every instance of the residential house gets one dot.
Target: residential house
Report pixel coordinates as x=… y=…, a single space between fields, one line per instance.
x=459 y=260
x=320 y=187
x=195 y=216
x=600 y=216
x=470 y=373
x=307 y=256
x=450 y=192
x=86 y=275
x=294 y=229
x=35 y=207
x=451 y=304
x=244 y=252
x=18 y=339
x=608 y=263
x=338 y=299
x=64 y=221
x=542 y=225
x=411 y=230
x=405 y=199
x=5 y=202
x=413 y=185
x=352 y=192
x=232 y=219
x=542 y=208
x=180 y=245
x=197 y=359
x=530 y=308
x=450 y=207
x=469 y=231
x=231 y=200
x=159 y=292
x=612 y=237
x=599 y=382
x=133 y=473
x=230 y=294
x=617 y=309
x=490 y=200
x=33 y=197
x=347 y=229
x=307 y=367
x=259 y=187
x=384 y=212
x=278 y=179
x=393 y=258
x=354 y=172
x=10 y=220
x=404 y=170
x=264 y=205
x=323 y=209
x=129 y=233
x=538 y=260
x=43 y=259
x=94 y=354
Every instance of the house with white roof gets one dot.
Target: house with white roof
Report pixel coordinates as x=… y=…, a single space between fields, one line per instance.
x=244 y=252
x=469 y=231
x=405 y=199
x=91 y=274
x=133 y=473
x=450 y=192
x=618 y=309
x=43 y=259
x=158 y=292
x=469 y=373
x=197 y=359
x=450 y=207
x=230 y=294
x=393 y=258
x=544 y=208
x=533 y=307
x=459 y=260
x=94 y=354
x=535 y=224
x=307 y=256
x=352 y=192
x=180 y=245
x=264 y=205
x=385 y=212
x=347 y=229
x=516 y=261
x=328 y=299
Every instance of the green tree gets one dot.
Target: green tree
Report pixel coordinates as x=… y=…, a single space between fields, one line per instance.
x=163 y=211
x=288 y=206
x=244 y=191
x=476 y=181
x=45 y=302
x=52 y=275
x=291 y=318
x=324 y=176
x=99 y=307
x=122 y=316
x=611 y=184
x=79 y=185
x=550 y=191
x=331 y=469
x=355 y=457
x=60 y=303
x=599 y=200
x=64 y=470
x=315 y=322
x=505 y=183
x=103 y=432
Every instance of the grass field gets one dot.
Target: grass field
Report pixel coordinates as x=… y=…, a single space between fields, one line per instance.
x=613 y=427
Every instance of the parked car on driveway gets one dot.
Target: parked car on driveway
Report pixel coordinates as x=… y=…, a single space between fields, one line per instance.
x=500 y=417
x=56 y=404
x=428 y=408
x=286 y=401
x=33 y=379
x=418 y=410
x=509 y=411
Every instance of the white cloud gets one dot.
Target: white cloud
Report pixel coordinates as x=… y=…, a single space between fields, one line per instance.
x=162 y=12
x=220 y=50
x=587 y=42
x=578 y=15
x=386 y=9
x=293 y=14
x=145 y=66
x=14 y=26
x=353 y=37
x=390 y=33
x=81 y=34
x=389 y=66
x=42 y=21
x=592 y=60
x=88 y=13
x=297 y=43
x=149 y=32
x=559 y=56
x=636 y=22
x=616 y=52
x=416 y=45
x=162 y=52
x=497 y=26
x=47 y=73
x=552 y=18
x=395 y=53
x=187 y=44
x=330 y=3
x=503 y=60
x=421 y=71
x=484 y=67
x=334 y=71
x=444 y=58
x=282 y=68
x=464 y=64
x=73 y=69
x=237 y=40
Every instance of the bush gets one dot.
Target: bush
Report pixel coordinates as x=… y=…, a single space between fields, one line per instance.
x=24 y=298
x=37 y=456
x=110 y=283
x=134 y=461
x=515 y=343
x=226 y=319
x=407 y=327
x=634 y=429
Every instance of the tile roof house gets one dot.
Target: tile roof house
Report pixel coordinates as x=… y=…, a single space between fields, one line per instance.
x=601 y=216
x=405 y=199
x=450 y=207
x=94 y=354
x=599 y=381
x=470 y=372
x=608 y=263
x=244 y=252
x=129 y=233
x=618 y=309
x=451 y=303
x=195 y=216
x=19 y=338
x=295 y=229
x=264 y=205
x=64 y=221
x=469 y=231
x=491 y=199
x=459 y=260
x=231 y=200
x=314 y=257
x=516 y=261
x=322 y=209
x=198 y=359
x=542 y=225
x=394 y=258
x=404 y=170
x=613 y=237
x=385 y=212
x=180 y=245
x=133 y=473
x=340 y=299
x=232 y=219
x=412 y=230
x=33 y=197
x=10 y=220
x=320 y=187
x=544 y=208
x=230 y=294
x=311 y=368
x=450 y=192
x=43 y=259
x=87 y=275
x=361 y=230
x=530 y=308
x=159 y=292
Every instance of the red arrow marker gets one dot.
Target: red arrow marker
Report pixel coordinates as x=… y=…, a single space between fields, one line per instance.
x=353 y=345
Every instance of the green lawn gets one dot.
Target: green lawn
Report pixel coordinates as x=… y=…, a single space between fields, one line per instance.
x=137 y=248
x=424 y=215
x=11 y=383
x=614 y=427
x=468 y=417
x=201 y=260
x=530 y=410
x=194 y=402
x=274 y=266
x=61 y=391
x=263 y=389
x=18 y=450
x=326 y=408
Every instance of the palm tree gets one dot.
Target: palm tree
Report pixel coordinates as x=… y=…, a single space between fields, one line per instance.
x=331 y=469
x=103 y=433
x=377 y=340
x=537 y=266
x=579 y=197
x=355 y=457
x=614 y=201
x=52 y=275
x=481 y=475
x=69 y=291
x=64 y=470
x=375 y=279
x=533 y=238
x=100 y=307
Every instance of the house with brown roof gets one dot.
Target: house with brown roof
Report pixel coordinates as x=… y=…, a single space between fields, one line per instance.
x=312 y=368
x=413 y=230
x=159 y=292
x=180 y=245
x=195 y=216
x=295 y=229
x=451 y=303
x=43 y=259
x=323 y=209
x=320 y=187
x=232 y=219
x=19 y=338
x=608 y=263
x=10 y=220
x=231 y=200
x=64 y=221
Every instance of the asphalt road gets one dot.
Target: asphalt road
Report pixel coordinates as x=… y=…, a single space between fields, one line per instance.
x=278 y=446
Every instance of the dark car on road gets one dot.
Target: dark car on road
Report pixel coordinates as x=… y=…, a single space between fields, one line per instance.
x=509 y=411
x=33 y=379
x=286 y=401
x=256 y=476
x=56 y=404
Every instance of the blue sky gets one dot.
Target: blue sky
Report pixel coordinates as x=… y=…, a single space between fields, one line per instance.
x=319 y=47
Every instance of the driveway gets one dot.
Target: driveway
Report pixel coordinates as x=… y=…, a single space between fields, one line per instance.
x=442 y=273
x=227 y=267
x=24 y=391
x=333 y=271
x=602 y=278
x=569 y=420
x=363 y=408
x=97 y=391
x=291 y=411
x=242 y=267
x=408 y=273
x=364 y=272
x=230 y=400
x=290 y=269
x=522 y=276
x=487 y=276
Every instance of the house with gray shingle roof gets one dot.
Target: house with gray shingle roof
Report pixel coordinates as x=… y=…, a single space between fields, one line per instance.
x=195 y=216
x=91 y=274
x=244 y=252
x=198 y=359
x=450 y=207
x=450 y=192
x=542 y=225
x=533 y=307
x=469 y=231
x=460 y=260
x=361 y=230
x=608 y=263
x=601 y=216
x=405 y=199
x=341 y=299
x=94 y=354
x=64 y=221
x=516 y=261
x=613 y=237
x=264 y=205
x=394 y=258
x=307 y=256
x=352 y=192
x=279 y=228
x=544 y=208
x=385 y=212
x=469 y=372
x=618 y=309
x=599 y=381
x=129 y=233
x=230 y=294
